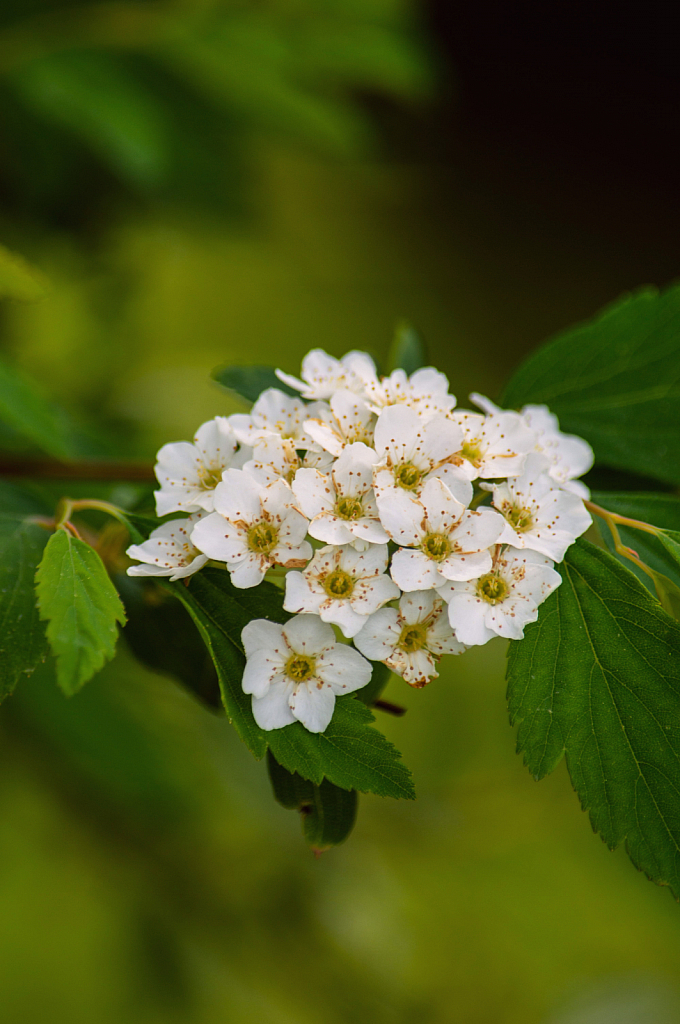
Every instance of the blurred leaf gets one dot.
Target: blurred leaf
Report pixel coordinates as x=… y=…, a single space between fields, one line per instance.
x=328 y=812
x=250 y=381
x=22 y=635
x=349 y=753
x=598 y=677
x=407 y=351
x=96 y=97
x=380 y=677
x=81 y=606
x=18 y=279
x=25 y=411
x=615 y=381
x=163 y=636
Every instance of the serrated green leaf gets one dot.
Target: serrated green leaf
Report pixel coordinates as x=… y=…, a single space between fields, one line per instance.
x=18 y=279
x=616 y=382
x=407 y=351
x=250 y=381
x=81 y=606
x=328 y=812
x=23 y=643
x=350 y=753
x=597 y=678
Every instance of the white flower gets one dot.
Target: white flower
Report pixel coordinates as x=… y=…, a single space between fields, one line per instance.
x=295 y=672
x=253 y=528
x=276 y=458
x=168 y=551
x=412 y=451
x=570 y=456
x=539 y=515
x=351 y=421
x=342 y=586
x=189 y=473
x=411 y=640
x=502 y=601
x=341 y=505
x=322 y=375
x=450 y=542
x=426 y=391
x=276 y=413
x=494 y=445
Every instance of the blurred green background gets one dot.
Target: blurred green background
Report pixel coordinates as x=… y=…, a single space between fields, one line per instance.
x=203 y=182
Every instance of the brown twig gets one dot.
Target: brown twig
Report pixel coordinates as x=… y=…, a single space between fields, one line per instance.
x=88 y=470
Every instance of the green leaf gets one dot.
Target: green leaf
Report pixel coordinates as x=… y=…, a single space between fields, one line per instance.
x=19 y=280
x=328 y=812
x=97 y=98
x=380 y=677
x=662 y=510
x=250 y=381
x=81 y=606
x=616 y=382
x=597 y=678
x=25 y=410
x=220 y=612
x=350 y=753
x=407 y=351
x=163 y=636
x=23 y=643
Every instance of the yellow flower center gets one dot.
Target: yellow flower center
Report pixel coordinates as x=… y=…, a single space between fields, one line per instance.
x=300 y=667
x=407 y=476
x=492 y=588
x=413 y=637
x=338 y=584
x=262 y=538
x=472 y=451
x=349 y=508
x=520 y=518
x=210 y=476
x=436 y=546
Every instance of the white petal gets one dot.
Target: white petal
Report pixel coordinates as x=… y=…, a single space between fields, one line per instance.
x=353 y=471
x=219 y=539
x=342 y=614
x=412 y=570
x=456 y=480
x=312 y=704
x=216 y=442
x=371 y=594
x=468 y=566
x=237 y=497
x=247 y=573
x=344 y=669
x=260 y=634
x=188 y=570
x=299 y=595
x=400 y=514
x=261 y=667
x=417 y=606
x=307 y=634
x=419 y=668
x=315 y=493
x=467 y=614
x=377 y=639
x=331 y=529
x=272 y=710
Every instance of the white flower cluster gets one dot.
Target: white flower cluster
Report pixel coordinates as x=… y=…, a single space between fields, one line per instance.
x=369 y=491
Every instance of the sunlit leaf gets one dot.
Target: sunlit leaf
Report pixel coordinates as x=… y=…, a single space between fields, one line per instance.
x=81 y=606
